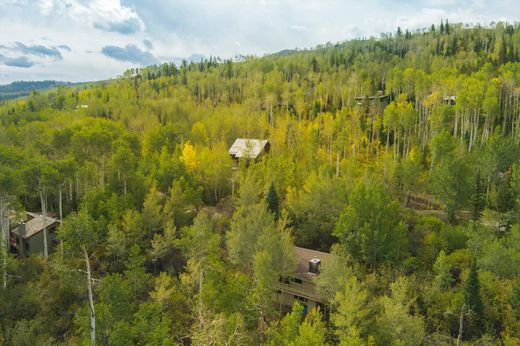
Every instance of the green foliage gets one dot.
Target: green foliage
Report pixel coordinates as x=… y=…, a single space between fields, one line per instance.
x=451 y=185
x=352 y=317
x=335 y=275
x=247 y=225
x=473 y=300
x=516 y=299
x=398 y=325
x=273 y=204
x=443 y=277
x=147 y=190
x=370 y=227
x=315 y=210
x=79 y=232
x=297 y=329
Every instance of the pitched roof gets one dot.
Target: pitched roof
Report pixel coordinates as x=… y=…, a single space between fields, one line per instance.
x=35 y=225
x=304 y=256
x=247 y=147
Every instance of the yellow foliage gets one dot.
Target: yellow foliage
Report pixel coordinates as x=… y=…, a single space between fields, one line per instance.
x=189 y=156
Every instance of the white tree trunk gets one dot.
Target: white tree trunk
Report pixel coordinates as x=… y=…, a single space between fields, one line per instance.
x=61 y=217
x=4 y=228
x=461 y=324
x=44 y=212
x=90 y=300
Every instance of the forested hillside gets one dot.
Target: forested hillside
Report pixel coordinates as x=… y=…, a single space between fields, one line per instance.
x=399 y=155
x=23 y=88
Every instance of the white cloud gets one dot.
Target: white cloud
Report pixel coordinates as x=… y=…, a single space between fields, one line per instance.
x=108 y=15
x=298 y=27
x=179 y=28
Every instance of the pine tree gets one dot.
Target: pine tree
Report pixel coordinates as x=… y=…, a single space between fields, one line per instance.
x=442 y=27
x=473 y=299
x=273 y=203
x=477 y=198
x=447 y=27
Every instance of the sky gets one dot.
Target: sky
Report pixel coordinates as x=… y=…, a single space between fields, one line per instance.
x=87 y=40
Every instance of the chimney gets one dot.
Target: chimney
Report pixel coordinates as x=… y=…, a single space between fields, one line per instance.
x=314 y=265
x=21 y=229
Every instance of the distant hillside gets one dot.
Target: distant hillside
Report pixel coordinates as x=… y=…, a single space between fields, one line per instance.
x=23 y=88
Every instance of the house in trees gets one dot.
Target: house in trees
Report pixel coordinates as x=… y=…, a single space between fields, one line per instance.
x=449 y=100
x=379 y=97
x=28 y=237
x=248 y=149
x=301 y=287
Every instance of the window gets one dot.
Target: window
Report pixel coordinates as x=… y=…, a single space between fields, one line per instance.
x=301 y=299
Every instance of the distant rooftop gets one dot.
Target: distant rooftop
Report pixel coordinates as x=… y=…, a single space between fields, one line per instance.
x=379 y=96
x=248 y=148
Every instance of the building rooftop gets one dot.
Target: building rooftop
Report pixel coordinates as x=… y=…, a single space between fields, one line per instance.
x=248 y=148
x=304 y=256
x=35 y=224
x=379 y=96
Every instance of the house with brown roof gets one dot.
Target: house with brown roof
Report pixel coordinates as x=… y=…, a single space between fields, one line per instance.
x=28 y=237
x=301 y=287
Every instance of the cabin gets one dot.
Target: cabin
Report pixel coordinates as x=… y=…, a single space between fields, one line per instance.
x=248 y=149
x=301 y=287
x=449 y=100
x=27 y=238
x=380 y=96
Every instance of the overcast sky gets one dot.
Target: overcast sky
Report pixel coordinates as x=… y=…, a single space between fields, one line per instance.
x=84 y=40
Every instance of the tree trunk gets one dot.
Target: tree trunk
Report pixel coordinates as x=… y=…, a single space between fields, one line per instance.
x=337 y=164
x=77 y=187
x=61 y=217
x=44 y=212
x=90 y=300
x=70 y=190
x=461 y=324
x=4 y=228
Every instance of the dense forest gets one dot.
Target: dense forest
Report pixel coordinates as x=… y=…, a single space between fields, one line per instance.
x=24 y=88
x=399 y=155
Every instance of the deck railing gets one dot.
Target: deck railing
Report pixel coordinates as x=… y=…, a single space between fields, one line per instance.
x=291 y=289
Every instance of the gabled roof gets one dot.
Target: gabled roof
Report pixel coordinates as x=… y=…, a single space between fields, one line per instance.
x=248 y=148
x=304 y=256
x=35 y=225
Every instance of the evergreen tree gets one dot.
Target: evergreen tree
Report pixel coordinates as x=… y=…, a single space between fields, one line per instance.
x=273 y=204
x=477 y=201
x=442 y=27
x=473 y=300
